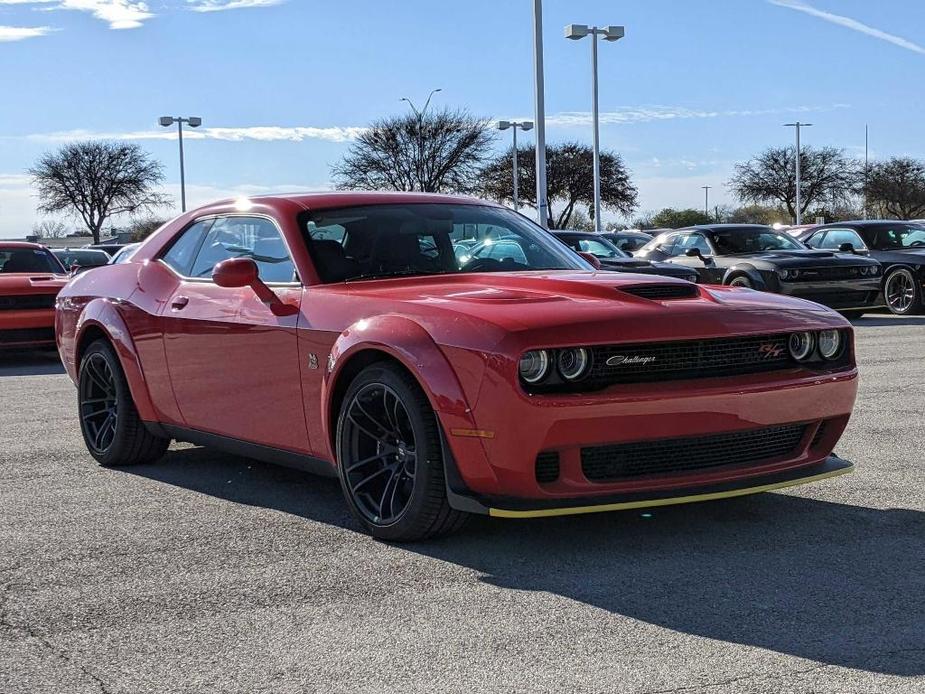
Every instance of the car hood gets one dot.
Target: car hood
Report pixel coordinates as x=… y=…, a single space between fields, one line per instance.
x=648 y=267
x=807 y=258
x=31 y=283
x=483 y=310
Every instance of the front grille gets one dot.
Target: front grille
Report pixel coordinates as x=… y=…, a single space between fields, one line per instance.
x=547 y=467
x=660 y=292
x=27 y=335
x=825 y=274
x=26 y=301
x=684 y=455
x=665 y=361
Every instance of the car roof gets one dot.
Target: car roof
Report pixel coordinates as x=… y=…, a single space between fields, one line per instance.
x=724 y=227
x=868 y=223
x=332 y=199
x=21 y=245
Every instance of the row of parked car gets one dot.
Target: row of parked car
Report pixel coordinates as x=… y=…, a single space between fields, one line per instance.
x=853 y=267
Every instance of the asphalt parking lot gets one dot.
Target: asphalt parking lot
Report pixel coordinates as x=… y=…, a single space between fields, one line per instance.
x=208 y=573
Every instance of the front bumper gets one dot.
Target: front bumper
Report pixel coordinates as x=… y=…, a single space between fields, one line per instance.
x=842 y=295
x=508 y=507
x=27 y=328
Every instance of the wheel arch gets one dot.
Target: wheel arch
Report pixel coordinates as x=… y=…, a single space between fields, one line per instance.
x=101 y=319
x=401 y=341
x=745 y=270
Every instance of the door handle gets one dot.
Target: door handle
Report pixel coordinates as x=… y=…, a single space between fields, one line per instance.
x=179 y=302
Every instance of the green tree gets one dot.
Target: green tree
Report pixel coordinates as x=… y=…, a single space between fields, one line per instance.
x=569 y=179
x=670 y=218
x=897 y=188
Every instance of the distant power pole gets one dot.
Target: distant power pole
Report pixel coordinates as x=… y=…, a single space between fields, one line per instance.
x=539 y=115
x=798 y=125
x=706 y=199
x=865 y=170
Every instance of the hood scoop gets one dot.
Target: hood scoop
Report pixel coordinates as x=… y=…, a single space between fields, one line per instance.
x=663 y=292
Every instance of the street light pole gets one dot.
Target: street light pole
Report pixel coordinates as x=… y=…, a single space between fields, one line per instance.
x=514 y=125
x=419 y=116
x=539 y=115
x=706 y=199
x=608 y=33
x=798 y=125
x=866 y=170
x=193 y=122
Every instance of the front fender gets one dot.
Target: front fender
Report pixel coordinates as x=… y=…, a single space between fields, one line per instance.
x=103 y=314
x=757 y=279
x=411 y=345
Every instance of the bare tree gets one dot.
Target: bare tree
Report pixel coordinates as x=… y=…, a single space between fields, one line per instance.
x=95 y=180
x=569 y=178
x=143 y=228
x=827 y=176
x=432 y=152
x=49 y=229
x=897 y=187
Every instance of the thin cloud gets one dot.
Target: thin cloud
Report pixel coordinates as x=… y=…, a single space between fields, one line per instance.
x=648 y=114
x=849 y=23
x=118 y=14
x=222 y=5
x=8 y=34
x=268 y=133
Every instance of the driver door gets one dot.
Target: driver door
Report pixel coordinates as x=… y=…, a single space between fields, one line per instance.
x=233 y=365
x=706 y=267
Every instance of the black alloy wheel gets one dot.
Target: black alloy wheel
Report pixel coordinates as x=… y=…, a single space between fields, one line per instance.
x=902 y=293
x=741 y=281
x=112 y=430
x=390 y=458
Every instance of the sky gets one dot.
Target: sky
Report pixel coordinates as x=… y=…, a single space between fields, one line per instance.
x=283 y=86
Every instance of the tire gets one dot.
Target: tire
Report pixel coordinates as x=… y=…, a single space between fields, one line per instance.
x=902 y=293
x=852 y=315
x=109 y=422
x=741 y=281
x=390 y=459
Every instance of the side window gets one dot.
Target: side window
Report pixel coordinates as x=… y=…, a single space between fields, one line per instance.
x=836 y=237
x=669 y=245
x=181 y=253
x=688 y=241
x=245 y=237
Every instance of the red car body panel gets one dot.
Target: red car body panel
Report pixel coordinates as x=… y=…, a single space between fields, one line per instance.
x=27 y=327
x=225 y=365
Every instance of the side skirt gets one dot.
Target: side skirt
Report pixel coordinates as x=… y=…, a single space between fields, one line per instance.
x=246 y=449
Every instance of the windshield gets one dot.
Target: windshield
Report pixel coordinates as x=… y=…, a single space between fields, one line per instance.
x=600 y=248
x=82 y=258
x=893 y=237
x=746 y=240
x=380 y=241
x=29 y=260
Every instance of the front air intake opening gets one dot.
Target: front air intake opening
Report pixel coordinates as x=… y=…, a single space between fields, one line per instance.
x=547 y=467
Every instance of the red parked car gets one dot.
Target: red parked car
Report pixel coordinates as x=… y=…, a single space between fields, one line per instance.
x=339 y=332
x=30 y=279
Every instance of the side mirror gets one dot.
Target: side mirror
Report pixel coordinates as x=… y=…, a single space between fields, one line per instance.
x=243 y=272
x=693 y=253
x=593 y=259
x=846 y=247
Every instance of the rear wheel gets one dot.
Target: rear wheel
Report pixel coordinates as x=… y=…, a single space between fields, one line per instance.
x=903 y=293
x=390 y=460
x=109 y=422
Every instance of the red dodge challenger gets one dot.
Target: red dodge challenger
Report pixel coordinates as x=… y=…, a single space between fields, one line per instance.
x=30 y=279
x=342 y=333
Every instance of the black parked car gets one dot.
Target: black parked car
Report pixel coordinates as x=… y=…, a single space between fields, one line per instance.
x=627 y=241
x=80 y=259
x=756 y=256
x=900 y=248
x=612 y=258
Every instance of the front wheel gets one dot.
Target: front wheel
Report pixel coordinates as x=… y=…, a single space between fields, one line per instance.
x=109 y=422
x=390 y=460
x=741 y=281
x=903 y=293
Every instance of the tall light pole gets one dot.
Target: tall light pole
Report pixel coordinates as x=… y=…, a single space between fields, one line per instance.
x=539 y=116
x=524 y=125
x=419 y=115
x=798 y=125
x=866 y=170
x=193 y=122
x=706 y=199
x=608 y=33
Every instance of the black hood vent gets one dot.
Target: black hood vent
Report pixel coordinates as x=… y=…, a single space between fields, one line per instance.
x=661 y=292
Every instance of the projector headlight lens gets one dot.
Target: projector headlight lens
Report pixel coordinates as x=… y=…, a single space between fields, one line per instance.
x=573 y=363
x=829 y=343
x=801 y=345
x=534 y=366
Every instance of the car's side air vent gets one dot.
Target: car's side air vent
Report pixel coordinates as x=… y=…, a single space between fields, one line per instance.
x=547 y=467
x=661 y=292
x=820 y=433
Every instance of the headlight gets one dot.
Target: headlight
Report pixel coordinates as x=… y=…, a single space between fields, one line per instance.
x=801 y=345
x=784 y=274
x=829 y=343
x=534 y=366
x=573 y=363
